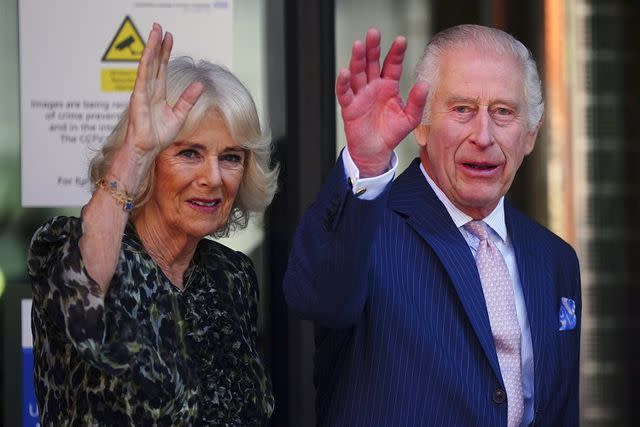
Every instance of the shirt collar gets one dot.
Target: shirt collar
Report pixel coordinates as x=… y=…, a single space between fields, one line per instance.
x=495 y=219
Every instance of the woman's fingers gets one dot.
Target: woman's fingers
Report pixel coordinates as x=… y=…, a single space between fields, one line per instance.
x=157 y=51
x=142 y=75
x=165 y=53
x=187 y=100
x=153 y=44
x=151 y=77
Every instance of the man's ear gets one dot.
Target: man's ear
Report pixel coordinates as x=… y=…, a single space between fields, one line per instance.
x=531 y=137
x=422 y=134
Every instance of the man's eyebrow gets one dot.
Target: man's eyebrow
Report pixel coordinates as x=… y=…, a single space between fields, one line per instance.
x=511 y=102
x=455 y=99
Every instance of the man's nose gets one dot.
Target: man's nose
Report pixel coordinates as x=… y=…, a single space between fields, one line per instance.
x=482 y=129
x=210 y=175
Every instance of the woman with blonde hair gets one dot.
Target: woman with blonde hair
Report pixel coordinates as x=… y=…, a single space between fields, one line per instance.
x=138 y=318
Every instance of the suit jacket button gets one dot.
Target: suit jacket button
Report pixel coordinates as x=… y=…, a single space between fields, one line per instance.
x=499 y=395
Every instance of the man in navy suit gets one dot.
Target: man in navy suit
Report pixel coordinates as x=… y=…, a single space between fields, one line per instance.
x=407 y=329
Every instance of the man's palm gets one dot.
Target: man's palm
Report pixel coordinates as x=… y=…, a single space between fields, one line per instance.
x=375 y=119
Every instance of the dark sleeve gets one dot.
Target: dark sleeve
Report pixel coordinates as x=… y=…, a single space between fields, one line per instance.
x=326 y=278
x=251 y=293
x=571 y=411
x=67 y=301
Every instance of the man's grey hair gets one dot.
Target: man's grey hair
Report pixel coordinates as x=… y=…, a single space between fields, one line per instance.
x=485 y=38
x=224 y=93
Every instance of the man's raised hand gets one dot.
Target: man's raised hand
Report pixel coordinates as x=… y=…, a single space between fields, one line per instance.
x=375 y=120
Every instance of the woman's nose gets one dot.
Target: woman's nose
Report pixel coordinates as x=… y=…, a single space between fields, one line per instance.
x=210 y=173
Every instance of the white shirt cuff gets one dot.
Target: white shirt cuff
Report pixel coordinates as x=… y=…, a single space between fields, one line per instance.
x=372 y=187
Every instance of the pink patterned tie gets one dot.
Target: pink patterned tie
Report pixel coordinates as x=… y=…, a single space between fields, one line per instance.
x=498 y=295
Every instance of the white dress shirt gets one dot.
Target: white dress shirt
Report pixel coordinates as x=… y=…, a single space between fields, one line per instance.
x=374 y=186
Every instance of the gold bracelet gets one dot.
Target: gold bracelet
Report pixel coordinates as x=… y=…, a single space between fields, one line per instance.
x=121 y=196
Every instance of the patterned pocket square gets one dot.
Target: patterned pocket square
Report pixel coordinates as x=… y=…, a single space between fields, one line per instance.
x=567 y=314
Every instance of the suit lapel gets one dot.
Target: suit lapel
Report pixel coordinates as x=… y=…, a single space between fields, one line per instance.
x=413 y=198
x=535 y=279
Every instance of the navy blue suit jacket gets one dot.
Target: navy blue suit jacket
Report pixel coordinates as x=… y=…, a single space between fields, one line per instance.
x=402 y=331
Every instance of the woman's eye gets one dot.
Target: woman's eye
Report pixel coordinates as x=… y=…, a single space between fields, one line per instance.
x=232 y=158
x=189 y=154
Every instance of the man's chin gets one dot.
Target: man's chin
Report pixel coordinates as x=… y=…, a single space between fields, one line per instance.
x=478 y=205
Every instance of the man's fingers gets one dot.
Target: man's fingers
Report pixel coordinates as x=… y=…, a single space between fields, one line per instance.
x=357 y=66
x=373 y=54
x=187 y=100
x=343 y=88
x=416 y=101
x=392 y=68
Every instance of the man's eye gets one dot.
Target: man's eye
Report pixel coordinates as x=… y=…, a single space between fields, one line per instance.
x=503 y=111
x=462 y=109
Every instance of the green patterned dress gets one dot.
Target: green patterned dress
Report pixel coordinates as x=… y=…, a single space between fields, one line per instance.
x=148 y=353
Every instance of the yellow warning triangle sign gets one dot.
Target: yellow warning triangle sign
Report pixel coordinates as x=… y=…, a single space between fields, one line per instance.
x=127 y=45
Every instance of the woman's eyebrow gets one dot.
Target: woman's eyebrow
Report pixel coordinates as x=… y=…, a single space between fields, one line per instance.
x=181 y=144
x=234 y=148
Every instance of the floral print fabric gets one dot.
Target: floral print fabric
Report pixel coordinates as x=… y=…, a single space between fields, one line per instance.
x=147 y=353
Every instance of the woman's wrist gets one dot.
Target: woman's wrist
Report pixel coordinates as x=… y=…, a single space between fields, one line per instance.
x=117 y=190
x=130 y=167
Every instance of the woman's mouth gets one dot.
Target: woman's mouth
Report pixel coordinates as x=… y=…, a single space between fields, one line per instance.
x=205 y=205
x=208 y=204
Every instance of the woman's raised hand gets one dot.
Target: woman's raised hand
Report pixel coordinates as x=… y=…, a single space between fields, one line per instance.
x=154 y=124
x=375 y=120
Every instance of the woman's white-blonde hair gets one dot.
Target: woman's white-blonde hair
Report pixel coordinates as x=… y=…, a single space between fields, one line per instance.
x=225 y=94
x=487 y=39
